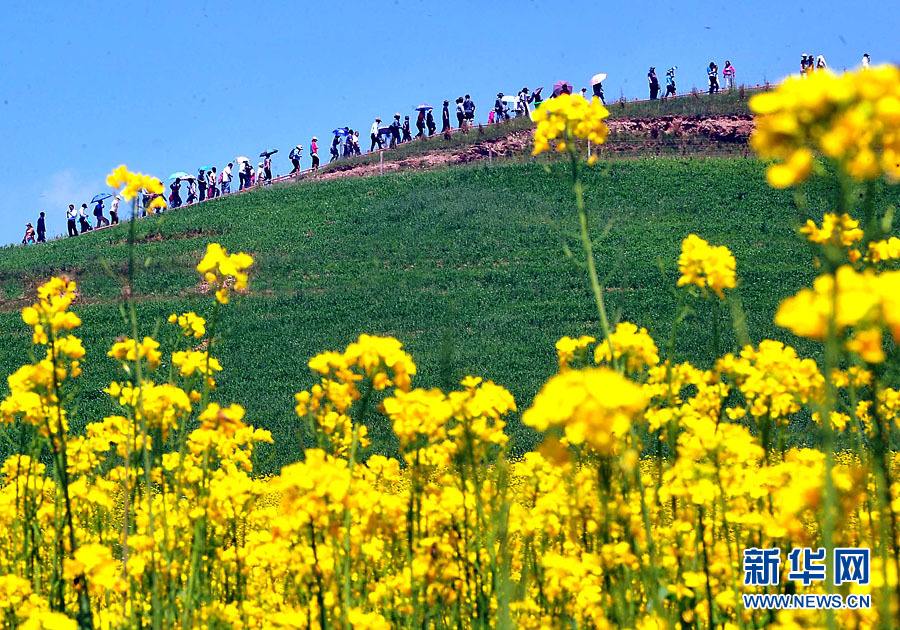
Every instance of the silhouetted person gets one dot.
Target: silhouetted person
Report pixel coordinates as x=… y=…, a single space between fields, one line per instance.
x=41 y=229
x=653 y=81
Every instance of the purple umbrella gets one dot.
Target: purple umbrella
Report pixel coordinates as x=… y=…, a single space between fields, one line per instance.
x=562 y=86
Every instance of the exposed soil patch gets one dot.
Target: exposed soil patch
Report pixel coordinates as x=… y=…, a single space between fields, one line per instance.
x=154 y=237
x=650 y=136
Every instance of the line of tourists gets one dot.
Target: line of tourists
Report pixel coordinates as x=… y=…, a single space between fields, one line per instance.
x=210 y=183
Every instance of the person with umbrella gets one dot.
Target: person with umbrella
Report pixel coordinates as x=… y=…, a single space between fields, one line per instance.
x=247 y=170
x=536 y=97
x=175 y=194
x=420 y=122
x=597 y=86
x=267 y=165
x=98 y=212
x=445 y=117
x=70 y=220
x=314 y=153
x=41 y=228
x=653 y=81
x=83 y=219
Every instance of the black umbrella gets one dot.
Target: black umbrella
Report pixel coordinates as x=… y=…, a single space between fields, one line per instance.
x=266 y=154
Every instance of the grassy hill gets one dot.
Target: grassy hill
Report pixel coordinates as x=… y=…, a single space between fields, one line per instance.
x=465 y=265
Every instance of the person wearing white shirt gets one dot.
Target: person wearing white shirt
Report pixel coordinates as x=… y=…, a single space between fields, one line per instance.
x=376 y=137
x=226 y=179
x=865 y=60
x=260 y=175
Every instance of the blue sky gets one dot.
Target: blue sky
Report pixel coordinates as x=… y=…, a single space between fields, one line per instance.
x=168 y=86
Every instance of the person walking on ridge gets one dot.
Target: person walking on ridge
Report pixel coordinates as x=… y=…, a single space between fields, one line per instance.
x=670 y=82
x=407 y=132
x=445 y=117
x=29 y=234
x=70 y=220
x=653 y=82
x=429 y=122
x=98 y=214
x=174 y=195
x=201 y=183
x=712 y=72
x=375 y=135
x=460 y=113
x=41 y=228
x=226 y=178
x=728 y=73
x=83 y=219
x=469 y=109
x=420 y=124
x=314 y=154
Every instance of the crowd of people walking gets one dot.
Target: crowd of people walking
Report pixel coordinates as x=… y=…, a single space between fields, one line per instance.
x=210 y=183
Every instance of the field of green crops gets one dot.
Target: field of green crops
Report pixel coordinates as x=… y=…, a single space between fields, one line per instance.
x=467 y=266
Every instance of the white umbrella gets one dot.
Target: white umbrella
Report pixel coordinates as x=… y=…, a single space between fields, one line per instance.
x=241 y=158
x=511 y=99
x=600 y=77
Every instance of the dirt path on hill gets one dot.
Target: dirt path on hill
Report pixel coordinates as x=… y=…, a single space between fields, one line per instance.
x=638 y=135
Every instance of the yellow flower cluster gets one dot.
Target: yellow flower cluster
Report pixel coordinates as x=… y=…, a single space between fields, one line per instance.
x=223 y=271
x=594 y=405
x=566 y=118
x=852 y=119
x=842 y=230
x=849 y=299
x=706 y=266
x=884 y=250
x=131 y=184
x=630 y=344
x=192 y=325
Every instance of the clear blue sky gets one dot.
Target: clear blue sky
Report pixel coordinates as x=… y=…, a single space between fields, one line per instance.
x=165 y=86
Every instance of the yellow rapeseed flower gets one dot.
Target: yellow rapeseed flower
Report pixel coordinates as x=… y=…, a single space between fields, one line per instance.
x=565 y=118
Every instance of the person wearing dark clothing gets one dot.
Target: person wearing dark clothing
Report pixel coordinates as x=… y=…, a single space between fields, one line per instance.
x=429 y=122
x=598 y=92
x=247 y=172
x=420 y=123
x=445 y=117
x=653 y=81
x=83 y=219
x=201 y=183
x=501 y=112
x=175 y=194
x=395 y=130
x=469 y=109
x=70 y=220
x=335 y=151
x=41 y=229
x=460 y=113
x=713 y=73
x=375 y=133
x=98 y=214
x=407 y=133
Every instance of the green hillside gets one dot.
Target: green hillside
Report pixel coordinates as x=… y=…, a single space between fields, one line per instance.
x=465 y=265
